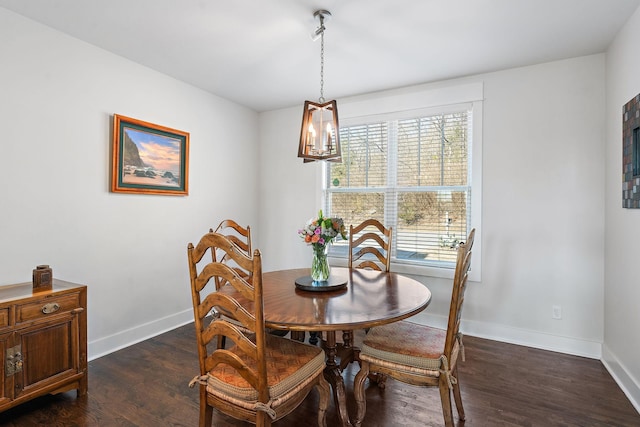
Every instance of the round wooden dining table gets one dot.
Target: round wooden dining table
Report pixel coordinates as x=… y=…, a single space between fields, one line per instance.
x=365 y=299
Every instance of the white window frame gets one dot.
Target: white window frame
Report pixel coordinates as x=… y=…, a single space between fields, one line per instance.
x=425 y=102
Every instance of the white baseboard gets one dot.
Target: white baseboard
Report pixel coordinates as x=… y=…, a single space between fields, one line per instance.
x=629 y=385
x=544 y=341
x=115 y=342
x=486 y=330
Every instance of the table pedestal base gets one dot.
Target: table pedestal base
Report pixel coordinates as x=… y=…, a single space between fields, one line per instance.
x=333 y=374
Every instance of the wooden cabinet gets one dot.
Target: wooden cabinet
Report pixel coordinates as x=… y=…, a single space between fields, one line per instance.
x=43 y=339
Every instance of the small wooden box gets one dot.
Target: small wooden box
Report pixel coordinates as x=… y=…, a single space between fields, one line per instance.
x=42 y=278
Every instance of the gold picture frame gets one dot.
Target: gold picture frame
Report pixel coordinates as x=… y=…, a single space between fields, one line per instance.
x=148 y=158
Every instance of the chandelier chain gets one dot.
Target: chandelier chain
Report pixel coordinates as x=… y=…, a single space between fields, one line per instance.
x=321 y=60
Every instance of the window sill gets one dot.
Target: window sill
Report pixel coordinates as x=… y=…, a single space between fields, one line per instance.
x=414 y=270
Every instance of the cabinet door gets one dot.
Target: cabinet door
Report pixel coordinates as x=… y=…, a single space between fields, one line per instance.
x=50 y=355
x=6 y=380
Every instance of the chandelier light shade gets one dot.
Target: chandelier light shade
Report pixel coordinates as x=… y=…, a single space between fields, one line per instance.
x=319 y=139
x=320 y=131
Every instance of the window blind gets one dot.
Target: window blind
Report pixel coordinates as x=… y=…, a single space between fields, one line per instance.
x=411 y=173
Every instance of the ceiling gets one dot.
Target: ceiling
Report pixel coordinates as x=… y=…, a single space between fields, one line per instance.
x=259 y=53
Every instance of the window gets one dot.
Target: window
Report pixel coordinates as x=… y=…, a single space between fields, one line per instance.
x=410 y=170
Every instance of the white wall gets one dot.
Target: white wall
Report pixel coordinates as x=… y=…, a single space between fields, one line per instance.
x=621 y=351
x=542 y=206
x=57 y=96
x=543 y=222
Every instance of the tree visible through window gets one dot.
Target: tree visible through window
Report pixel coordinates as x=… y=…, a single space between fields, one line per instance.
x=409 y=173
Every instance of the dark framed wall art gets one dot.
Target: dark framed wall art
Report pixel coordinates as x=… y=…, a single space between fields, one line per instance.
x=148 y=158
x=631 y=153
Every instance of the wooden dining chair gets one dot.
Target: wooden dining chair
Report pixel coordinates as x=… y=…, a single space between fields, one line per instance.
x=417 y=354
x=259 y=378
x=378 y=241
x=239 y=235
x=367 y=240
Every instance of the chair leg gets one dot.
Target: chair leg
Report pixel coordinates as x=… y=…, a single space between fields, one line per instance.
x=347 y=339
x=324 y=391
x=297 y=335
x=456 y=394
x=358 y=391
x=313 y=338
x=445 y=396
x=379 y=379
x=206 y=411
x=262 y=419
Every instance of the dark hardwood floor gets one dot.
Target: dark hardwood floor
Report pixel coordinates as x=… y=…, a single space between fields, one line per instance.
x=502 y=385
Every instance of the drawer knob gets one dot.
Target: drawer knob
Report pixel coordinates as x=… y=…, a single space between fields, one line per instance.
x=52 y=307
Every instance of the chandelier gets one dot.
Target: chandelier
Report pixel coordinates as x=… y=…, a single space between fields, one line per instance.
x=319 y=135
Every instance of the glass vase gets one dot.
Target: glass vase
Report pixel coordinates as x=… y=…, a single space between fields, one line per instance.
x=320 y=265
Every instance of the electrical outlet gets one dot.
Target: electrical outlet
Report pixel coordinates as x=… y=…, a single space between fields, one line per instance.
x=556 y=312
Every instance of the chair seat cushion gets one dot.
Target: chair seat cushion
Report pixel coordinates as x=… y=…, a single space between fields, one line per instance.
x=407 y=346
x=291 y=365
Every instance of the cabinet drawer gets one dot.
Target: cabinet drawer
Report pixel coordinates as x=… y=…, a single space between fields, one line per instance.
x=4 y=317
x=47 y=307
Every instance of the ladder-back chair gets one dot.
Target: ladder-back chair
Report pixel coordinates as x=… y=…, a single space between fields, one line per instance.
x=378 y=241
x=239 y=235
x=259 y=378
x=373 y=238
x=417 y=354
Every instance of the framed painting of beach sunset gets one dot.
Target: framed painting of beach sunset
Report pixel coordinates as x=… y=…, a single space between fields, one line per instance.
x=148 y=158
